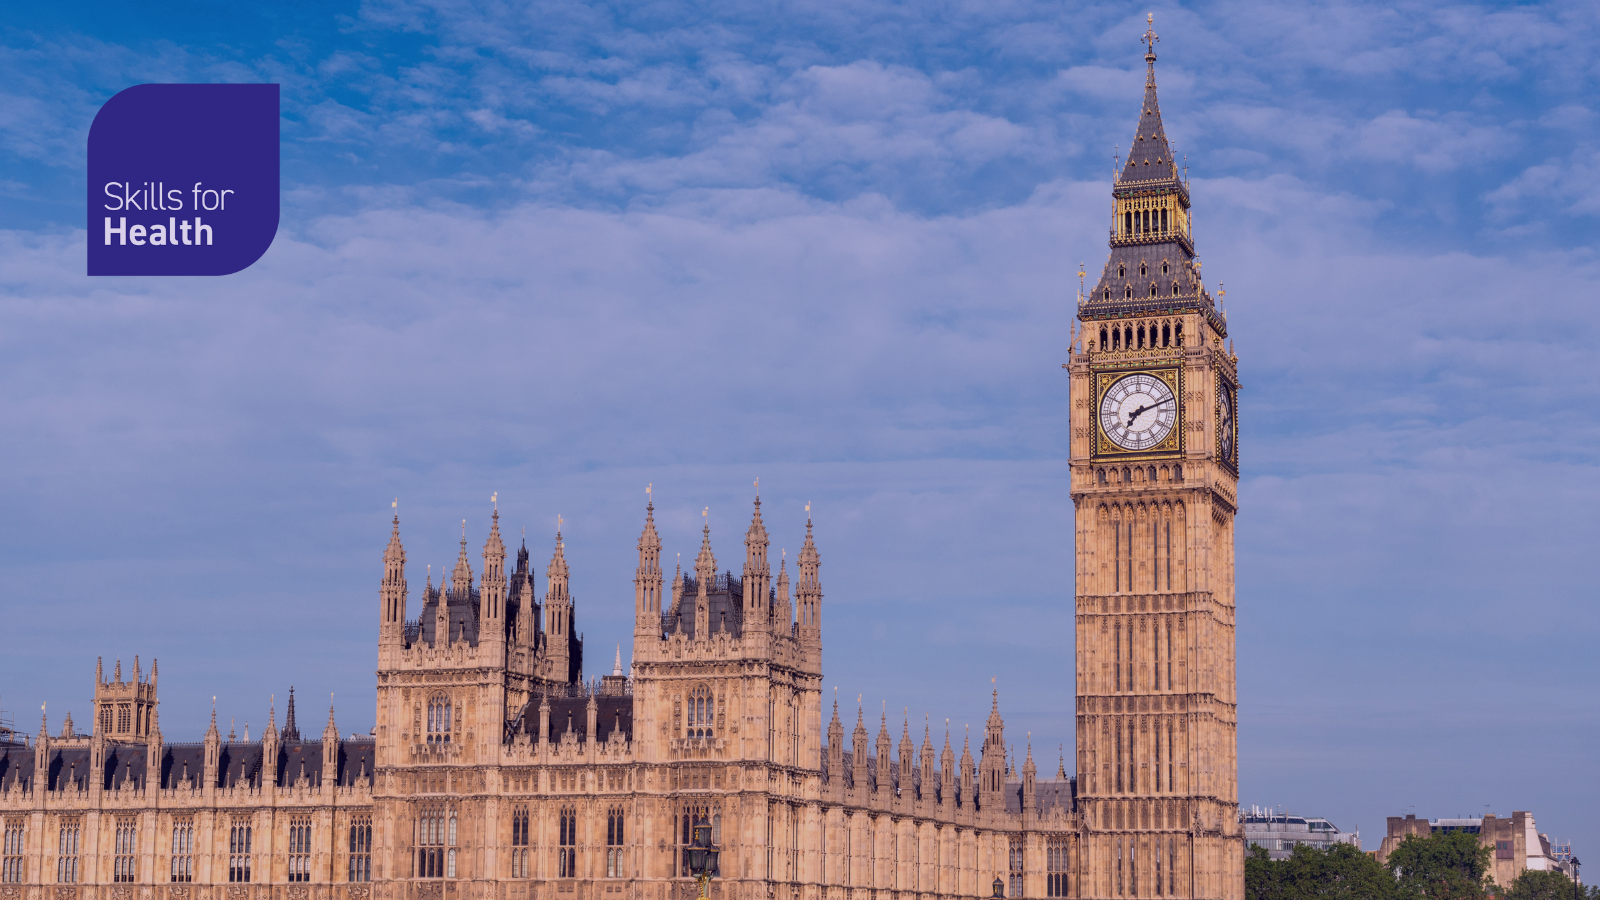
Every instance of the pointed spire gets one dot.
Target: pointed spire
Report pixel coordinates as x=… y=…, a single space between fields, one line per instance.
x=705 y=565
x=461 y=578
x=136 y=672
x=99 y=670
x=67 y=728
x=231 y=736
x=118 y=675
x=290 y=732
x=616 y=668
x=330 y=731
x=647 y=577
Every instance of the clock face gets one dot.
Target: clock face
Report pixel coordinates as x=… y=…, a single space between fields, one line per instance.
x=1138 y=412
x=1225 y=421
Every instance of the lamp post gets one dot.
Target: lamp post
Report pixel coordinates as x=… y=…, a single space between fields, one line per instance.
x=999 y=888
x=702 y=856
x=1577 y=888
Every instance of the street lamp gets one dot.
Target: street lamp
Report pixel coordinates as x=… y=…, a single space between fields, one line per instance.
x=1577 y=889
x=702 y=856
x=999 y=888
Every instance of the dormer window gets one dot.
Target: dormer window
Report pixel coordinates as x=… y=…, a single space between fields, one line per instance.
x=1141 y=270
x=1122 y=272
x=1163 y=267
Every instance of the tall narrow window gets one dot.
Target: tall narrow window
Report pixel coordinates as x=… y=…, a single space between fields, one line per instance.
x=1016 y=867
x=1119 y=869
x=1118 y=727
x=439 y=719
x=300 y=849
x=239 y=852
x=431 y=843
x=1172 y=867
x=12 y=853
x=1171 y=766
x=67 y=852
x=124 y=862
x=361 y=848
x=450 y=848
x=701 y=713
x=519 y=842
x=567 y=849
x=1167 y=531
x=1155 y=652
x=1116 y=530
x=1133 y=761
x=182 y=869
x=615 y=865
x=847 y=841
x=1158 y=868
x=1133 y=867
x=1056 y=868
x=1116 y=637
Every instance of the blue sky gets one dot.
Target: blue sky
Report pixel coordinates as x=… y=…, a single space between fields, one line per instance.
x=560 y=251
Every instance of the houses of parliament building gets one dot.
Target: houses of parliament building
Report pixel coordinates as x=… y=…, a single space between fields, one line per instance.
x=496 y=771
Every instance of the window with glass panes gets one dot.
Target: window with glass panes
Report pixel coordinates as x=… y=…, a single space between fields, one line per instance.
x=361 y=848
x=67 y=852
x=12 y=853
x=519 y=842
x=300 y=848
x=1016 y=868
x=1056 y=867
x=615 y=865
x=181 y=869
x=239 y=851
x=567 y=848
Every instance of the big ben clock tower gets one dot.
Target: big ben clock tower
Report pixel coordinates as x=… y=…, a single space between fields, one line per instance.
x=1155 y=473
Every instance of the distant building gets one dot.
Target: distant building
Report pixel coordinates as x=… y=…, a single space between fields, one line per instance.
x=1280 y=833
x=1517 y=843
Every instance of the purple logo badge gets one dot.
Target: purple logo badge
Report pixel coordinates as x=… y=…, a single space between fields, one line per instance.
x=183 y=179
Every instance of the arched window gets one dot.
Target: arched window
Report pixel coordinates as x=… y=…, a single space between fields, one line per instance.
x=1127 y=222
x=1108 y=293
x=1103 y=331
x=1163 y=220
x=1128 y=292
x=1177 y=473
x=1151 y=475
x=1152 y=289
x=1163 y=267
x=1116 y=339
x=1166 y=335
x=1177 y=334
x=1141 y=337
x=1174 y=289
x=1127 y=333
x=615 y=867
x=1102 y=475
x=1142 y=272
x=702 y=715
x=439 y=719
x=1122 y=271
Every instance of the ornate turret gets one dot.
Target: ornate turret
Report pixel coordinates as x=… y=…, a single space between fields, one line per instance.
x=947 y=769
x=564 y=652
x=927 y=761
x=858 y=752
x=492 y=601
x=392 y=590
x=882 y=762
x=808 y=592
x=994 y=754
x=904 y=757
x=757 y=575
x=705 y=571
x=967 y=795
x=1029 y=774
x=647 y=577
x=836 y=744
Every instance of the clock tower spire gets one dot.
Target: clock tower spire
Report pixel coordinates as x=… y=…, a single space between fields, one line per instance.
x=1154 y=487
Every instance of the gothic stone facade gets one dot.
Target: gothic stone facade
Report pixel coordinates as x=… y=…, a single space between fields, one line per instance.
x=495 y=771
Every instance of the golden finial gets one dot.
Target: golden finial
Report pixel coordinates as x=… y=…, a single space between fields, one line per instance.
x=395 y=504
x=758 y=489
x=495 y=499
x=649 y=490
x=705 y=513
x=1149 y=38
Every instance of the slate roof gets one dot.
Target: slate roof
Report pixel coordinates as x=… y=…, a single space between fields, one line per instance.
x=725 y=599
